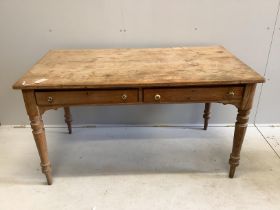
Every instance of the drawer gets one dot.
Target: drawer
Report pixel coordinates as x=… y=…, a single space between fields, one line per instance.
x=86 y=97
x=193 y=94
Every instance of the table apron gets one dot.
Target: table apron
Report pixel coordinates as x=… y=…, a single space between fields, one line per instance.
x=231 y=94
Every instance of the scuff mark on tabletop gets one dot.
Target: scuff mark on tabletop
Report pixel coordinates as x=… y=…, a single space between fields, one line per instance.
x=40 y=80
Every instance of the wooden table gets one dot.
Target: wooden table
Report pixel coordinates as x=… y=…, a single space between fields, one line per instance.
x=64 y=78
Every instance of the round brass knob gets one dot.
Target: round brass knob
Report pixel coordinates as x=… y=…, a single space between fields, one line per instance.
x=231 y=93
x=124 y=97
x=50 y=99
x=157 y=97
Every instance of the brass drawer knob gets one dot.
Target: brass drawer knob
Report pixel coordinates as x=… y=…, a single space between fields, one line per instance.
x=124 y=97
x=50 y=99
x=157 y=97
x=231 y=93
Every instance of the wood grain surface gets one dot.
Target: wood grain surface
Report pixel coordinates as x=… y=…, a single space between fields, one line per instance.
x=105 y=68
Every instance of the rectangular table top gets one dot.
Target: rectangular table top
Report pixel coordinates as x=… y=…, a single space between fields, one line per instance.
x=106 y=68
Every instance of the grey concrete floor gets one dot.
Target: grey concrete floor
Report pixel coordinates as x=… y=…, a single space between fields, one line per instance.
x=140 y=168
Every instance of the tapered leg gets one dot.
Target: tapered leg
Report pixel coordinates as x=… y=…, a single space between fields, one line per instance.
x=239 y=133
x=240 y=126
x=206 y=115
x=37 y=126
x=68 y=118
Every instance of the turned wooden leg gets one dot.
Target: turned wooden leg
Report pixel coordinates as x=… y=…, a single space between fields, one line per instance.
x=37 y=126
x=239 y=133
x=240 y=126
x=68 y=118
x=206 y=115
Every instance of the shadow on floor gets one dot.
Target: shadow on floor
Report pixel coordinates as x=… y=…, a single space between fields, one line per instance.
x=112 y=151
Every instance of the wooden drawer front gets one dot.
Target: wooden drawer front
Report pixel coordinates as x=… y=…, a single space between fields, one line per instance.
x=87 y=97
x=195 y=94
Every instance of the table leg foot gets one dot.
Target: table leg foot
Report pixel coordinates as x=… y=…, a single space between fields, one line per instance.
x=232 y=171
x=47 y=170
x=68 y=119
x=49 y=178
x=206 y=115
x=234 y=162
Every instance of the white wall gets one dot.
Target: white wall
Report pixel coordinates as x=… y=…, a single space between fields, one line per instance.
x=30 y=28
x=269 y=101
